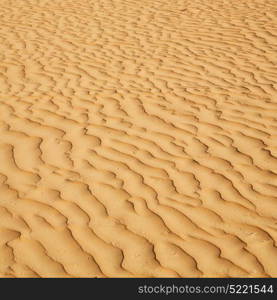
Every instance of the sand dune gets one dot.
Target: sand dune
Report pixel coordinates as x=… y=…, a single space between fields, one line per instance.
x=138 y=138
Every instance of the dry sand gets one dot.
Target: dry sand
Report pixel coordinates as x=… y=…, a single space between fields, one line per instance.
x=138 y=138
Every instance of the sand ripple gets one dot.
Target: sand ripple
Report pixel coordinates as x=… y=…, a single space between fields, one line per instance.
x=138 y=138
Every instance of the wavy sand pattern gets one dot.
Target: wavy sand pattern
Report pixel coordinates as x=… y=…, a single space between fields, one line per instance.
x=138 y=138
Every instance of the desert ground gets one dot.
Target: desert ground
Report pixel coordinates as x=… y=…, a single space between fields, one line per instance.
x=138 y=138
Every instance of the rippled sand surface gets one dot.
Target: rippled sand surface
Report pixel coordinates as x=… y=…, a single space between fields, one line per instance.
x=138 y=138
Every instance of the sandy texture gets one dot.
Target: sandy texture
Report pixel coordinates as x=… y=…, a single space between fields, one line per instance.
x=138 y=138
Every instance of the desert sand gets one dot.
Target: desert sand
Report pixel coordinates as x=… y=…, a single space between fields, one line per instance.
x=138 y=138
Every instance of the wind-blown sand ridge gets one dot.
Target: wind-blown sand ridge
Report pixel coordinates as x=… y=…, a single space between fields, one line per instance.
x=138 y=138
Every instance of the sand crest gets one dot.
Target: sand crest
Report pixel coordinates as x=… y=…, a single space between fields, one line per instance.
x=138 y=138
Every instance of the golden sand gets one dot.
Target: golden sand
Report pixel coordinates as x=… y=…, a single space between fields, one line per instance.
x=138 y=138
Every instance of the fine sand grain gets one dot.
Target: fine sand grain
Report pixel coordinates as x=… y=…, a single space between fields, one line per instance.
x=138 y=138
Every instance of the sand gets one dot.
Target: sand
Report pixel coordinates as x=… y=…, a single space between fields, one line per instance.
x=138 y=138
